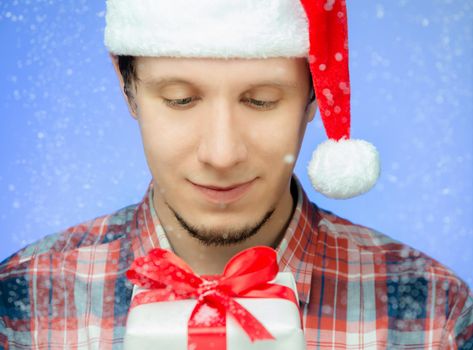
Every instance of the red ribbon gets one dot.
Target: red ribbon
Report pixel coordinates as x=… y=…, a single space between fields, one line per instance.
x=246 y=275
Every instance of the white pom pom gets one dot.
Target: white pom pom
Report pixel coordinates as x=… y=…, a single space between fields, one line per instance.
x=344 y=169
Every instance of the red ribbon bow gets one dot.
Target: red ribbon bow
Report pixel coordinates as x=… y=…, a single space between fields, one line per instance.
x=246 y=275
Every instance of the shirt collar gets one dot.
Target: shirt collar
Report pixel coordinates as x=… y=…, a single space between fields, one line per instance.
x=296 y=250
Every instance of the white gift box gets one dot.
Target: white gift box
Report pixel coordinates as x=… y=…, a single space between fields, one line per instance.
x=163 y=325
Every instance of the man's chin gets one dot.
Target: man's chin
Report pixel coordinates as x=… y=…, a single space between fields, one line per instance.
x=224 y=235
x=218 y=240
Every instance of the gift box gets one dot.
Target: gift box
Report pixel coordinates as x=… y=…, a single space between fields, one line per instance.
x=163 y=322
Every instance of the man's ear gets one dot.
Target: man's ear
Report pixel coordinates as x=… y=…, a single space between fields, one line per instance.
x=310 y=110
x=129 y=103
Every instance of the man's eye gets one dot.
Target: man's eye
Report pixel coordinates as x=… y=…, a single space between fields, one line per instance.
x=180 y=102
x=258 y=104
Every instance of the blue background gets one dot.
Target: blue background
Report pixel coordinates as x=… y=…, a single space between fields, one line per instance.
x=69 y=150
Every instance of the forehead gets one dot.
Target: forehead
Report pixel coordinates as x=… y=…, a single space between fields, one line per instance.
x=285 y=69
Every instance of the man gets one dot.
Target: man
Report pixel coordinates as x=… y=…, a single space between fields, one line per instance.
x=222 y=107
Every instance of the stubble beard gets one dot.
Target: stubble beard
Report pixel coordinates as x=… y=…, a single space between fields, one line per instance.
x=211 y=237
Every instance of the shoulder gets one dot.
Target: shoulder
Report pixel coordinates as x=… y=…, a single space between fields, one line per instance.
x=62 y=269
x=382 y=249
x=97 y=231
x=410 y=282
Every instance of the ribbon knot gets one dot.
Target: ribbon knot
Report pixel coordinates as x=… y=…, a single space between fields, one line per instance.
x=207 y=287
x=246 y=275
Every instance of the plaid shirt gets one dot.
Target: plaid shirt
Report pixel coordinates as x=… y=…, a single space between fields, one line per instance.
x=358 y=288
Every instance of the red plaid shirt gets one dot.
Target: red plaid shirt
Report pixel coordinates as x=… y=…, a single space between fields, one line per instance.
x=358 y=288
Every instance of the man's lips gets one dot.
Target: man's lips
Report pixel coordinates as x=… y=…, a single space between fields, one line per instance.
x=227 y=194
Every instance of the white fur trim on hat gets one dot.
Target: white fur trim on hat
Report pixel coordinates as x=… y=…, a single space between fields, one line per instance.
x=344 y=169
x=207 y=28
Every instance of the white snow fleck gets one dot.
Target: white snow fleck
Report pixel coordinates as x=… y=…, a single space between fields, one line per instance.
x=446 y=191
x=391 y=178
x=289 y=158
x=379 y=11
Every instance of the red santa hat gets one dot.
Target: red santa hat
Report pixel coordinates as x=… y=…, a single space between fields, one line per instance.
x=340 y=167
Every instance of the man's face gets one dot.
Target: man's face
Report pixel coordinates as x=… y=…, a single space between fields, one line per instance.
x=221 y=122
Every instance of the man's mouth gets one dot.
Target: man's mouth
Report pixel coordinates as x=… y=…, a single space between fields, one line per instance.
x=224 y=194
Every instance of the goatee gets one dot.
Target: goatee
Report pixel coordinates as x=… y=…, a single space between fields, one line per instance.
x=209 y=237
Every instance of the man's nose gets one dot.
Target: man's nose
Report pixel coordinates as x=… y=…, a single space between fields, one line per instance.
x=222 y=144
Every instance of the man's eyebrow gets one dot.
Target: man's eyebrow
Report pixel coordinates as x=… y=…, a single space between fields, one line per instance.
x=159 y=82
x=277 y=83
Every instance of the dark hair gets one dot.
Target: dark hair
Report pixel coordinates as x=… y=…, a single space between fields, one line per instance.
x=128 y=72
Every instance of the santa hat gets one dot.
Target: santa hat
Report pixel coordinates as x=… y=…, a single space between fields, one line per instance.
x=317 y=29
